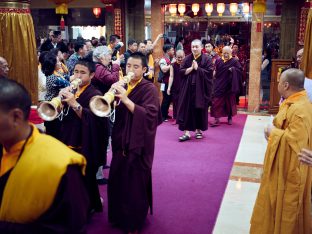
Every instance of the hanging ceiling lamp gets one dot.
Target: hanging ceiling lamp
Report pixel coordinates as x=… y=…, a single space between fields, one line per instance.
x=173 y=9
x=220 y=8
x=61 y=6
x=97 y=12
x=209 y=8
x=181 y=9
x=233 y=8
x=195 y=8
x=246 y=8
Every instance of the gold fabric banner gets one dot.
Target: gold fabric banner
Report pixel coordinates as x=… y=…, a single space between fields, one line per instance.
x=18 y=46
x=307 y=52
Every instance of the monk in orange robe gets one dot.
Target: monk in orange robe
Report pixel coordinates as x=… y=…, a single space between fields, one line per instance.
x=284 y=198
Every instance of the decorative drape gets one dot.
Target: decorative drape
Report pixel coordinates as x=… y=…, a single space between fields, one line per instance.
x=17 y=44
x=307 y=52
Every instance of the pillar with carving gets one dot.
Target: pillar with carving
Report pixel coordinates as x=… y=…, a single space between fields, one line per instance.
x=17 y=43
x=259 y=8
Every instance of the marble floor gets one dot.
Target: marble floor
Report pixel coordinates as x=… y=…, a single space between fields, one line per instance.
x=238 y=201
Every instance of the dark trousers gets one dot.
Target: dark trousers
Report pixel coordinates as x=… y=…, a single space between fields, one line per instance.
x=165 y=103
x=53 y=128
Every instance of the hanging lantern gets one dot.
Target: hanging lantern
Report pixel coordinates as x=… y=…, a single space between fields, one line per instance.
x=209 y=8
x=220 y=8
x=233 y=8
x=181 y=9
x=246 y=8
x=97 y=12
x=109 y=1
x=61 y=6
x=62 y=23
x=195 y=8
x=173 y=9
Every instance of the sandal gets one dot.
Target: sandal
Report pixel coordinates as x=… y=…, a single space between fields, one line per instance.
x=199 y=135
x=184 y=138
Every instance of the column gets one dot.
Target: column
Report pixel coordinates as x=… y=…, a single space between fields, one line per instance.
x=289 y=23
x=18 y=45
x=259 y=8
x=135 y=20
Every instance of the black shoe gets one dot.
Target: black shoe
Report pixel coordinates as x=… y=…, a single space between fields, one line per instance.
x=102 y=181
x=229 y=121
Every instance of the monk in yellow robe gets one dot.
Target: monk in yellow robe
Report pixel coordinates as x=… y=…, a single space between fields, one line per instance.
x=284 y=198
x=41 y=180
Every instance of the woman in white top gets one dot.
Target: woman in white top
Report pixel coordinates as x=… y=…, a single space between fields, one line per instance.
x=42 y=89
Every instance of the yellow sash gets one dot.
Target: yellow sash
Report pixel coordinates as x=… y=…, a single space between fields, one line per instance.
x=151 y=66
x=33 y=182
x=130 y=87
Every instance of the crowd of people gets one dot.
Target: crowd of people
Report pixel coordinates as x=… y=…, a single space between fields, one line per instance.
x=71 y=167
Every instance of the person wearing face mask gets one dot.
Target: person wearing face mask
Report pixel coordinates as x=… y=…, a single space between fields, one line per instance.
x=107 y=72
x=195 y=92
x=174 y=81
x=228 y=83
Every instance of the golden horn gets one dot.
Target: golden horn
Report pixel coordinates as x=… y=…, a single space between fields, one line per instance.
x=49 y=110
x=101 y=105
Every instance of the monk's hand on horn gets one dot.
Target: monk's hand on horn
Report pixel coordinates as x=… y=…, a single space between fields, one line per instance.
x=305 y=156
x=121 y=92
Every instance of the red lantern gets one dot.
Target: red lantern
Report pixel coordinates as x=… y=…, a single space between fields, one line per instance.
x=97 y=12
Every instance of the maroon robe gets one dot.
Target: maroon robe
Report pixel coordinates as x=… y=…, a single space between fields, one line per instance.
x=87 y=135
x=227 y=84
x=133 y=141
x=175 y=89
x=105 y=76
x=195 y=94
x=67 y=214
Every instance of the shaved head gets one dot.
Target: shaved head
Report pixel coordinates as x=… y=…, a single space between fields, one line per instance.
x=197 y=42
x=294 y=77
x=14 y=95
x=300 y=52
x=4 y=67
x=180 y=53
x=226 y=52
x=227 y=49
x=299 y=56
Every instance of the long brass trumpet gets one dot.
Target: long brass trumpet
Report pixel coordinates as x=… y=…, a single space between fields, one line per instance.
x=101 y=105
x=50 y=110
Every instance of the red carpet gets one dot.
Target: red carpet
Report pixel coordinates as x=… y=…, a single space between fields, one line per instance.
x=189 y=180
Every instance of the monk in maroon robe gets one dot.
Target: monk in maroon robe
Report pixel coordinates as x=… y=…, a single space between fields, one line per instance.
x=227 y=84
x=83 y=131
x=175 y=81
x=133 y=143
x=195 y=92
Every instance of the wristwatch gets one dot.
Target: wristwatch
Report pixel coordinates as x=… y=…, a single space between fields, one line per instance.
x=77 y=108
